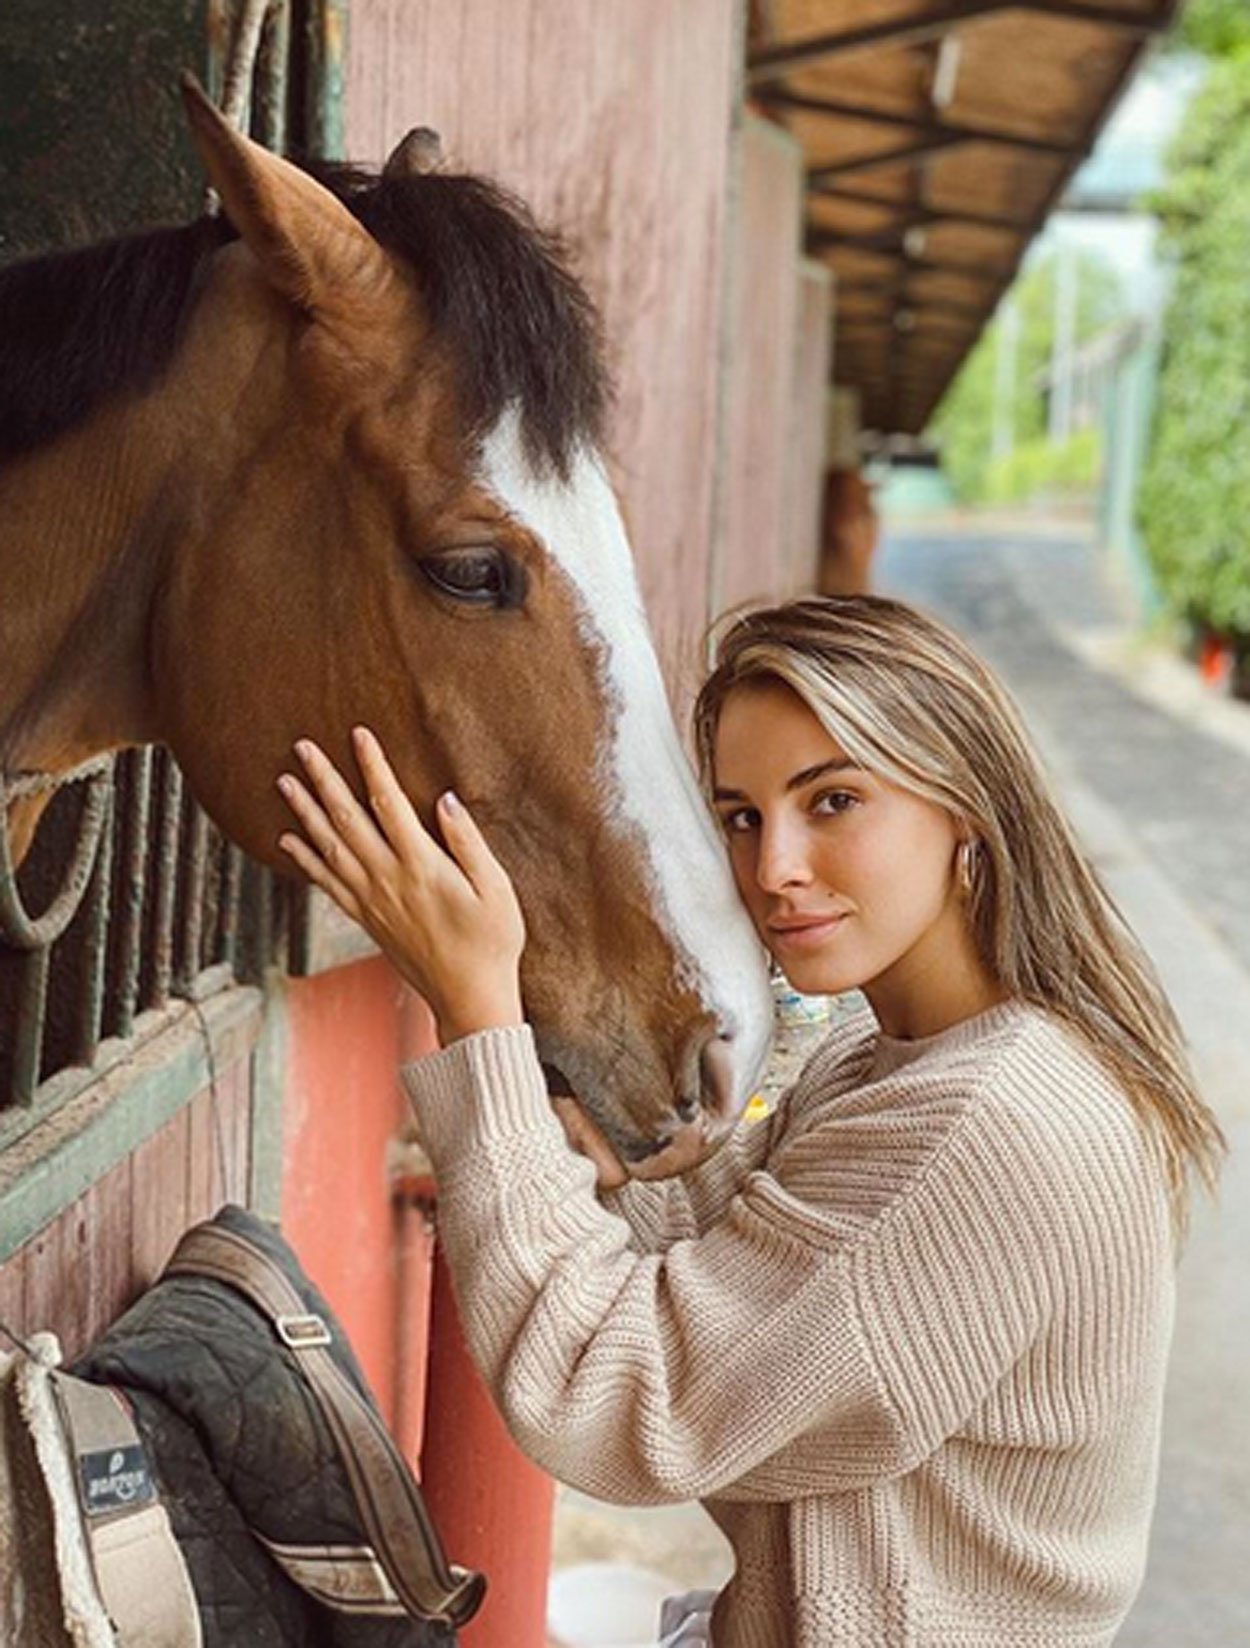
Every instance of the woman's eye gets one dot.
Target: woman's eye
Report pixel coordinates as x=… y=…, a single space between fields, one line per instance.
x=834 y=801
x=479 y=577
x=739 y=821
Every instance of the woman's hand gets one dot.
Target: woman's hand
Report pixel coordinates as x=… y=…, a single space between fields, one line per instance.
x=449 y=920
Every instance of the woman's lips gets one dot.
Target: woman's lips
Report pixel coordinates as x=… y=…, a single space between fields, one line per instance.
x=805 y=935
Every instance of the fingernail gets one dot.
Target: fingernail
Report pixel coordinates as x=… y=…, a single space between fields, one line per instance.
x=360 y=735
x=303 y=748
x=450 y=801
x=286 y=842
x=286 y=784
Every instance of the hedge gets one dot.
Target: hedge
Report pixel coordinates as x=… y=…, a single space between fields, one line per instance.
x=1194 y=505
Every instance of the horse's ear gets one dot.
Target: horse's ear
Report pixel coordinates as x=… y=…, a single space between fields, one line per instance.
x=310 y=246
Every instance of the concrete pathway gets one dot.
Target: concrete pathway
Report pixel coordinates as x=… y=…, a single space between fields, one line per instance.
x=1155 y=774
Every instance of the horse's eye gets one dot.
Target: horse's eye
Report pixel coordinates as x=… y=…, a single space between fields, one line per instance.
x=478 y=577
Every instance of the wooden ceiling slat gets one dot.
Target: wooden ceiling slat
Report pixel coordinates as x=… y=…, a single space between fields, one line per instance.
x=924 y=229
x=929 y=23
x=918 y=123
x=908 y=217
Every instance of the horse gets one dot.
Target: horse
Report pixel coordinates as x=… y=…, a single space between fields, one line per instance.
x=335 y=456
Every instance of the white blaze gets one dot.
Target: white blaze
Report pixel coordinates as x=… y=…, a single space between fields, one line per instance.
x=696 y=903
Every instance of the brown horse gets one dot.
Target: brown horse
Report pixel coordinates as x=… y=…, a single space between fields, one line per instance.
x=333 y=458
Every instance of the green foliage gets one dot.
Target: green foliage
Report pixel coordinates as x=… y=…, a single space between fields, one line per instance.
x=1042 y=468
x=1218 y=28
x=964 y=424
x=1195 y=498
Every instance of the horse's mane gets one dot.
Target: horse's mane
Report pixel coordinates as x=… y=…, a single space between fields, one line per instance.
x=82 y=326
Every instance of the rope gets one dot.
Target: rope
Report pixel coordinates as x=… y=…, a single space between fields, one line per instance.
x=16 y=786
x=17 y=927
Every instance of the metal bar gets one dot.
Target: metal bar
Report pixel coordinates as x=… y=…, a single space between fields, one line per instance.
x=918 y=28
x=26 y=932
x=228 y=905
x=191 y=928
x=884 y=158
x=28 y=1041
x=269 y=94
x=325 y=45
x=166 y=883
x=917 y=123
x=133 y=886
x=94 y=955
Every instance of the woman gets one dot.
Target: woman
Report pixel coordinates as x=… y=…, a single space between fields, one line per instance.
x=906 y=1338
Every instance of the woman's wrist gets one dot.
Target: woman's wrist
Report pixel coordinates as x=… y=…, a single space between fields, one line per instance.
x=468 y=1018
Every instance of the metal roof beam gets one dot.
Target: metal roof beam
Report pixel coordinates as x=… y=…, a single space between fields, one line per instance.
x=919 y=27
x=918 y=123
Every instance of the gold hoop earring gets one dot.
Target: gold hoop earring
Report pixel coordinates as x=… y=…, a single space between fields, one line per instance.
x=965 y=866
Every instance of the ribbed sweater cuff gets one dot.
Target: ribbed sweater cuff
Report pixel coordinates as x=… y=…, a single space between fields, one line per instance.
x=483 y=1088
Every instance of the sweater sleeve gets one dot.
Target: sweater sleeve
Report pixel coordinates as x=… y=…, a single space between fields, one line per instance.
x=791 y=1348
x=660 y=1212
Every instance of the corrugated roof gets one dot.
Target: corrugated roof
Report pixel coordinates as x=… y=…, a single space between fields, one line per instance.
x=938 y=135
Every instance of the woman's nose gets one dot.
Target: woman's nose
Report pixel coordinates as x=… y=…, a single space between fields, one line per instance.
x=782 y=860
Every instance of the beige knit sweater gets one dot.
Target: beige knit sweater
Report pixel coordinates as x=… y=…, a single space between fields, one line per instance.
x=905 y=1339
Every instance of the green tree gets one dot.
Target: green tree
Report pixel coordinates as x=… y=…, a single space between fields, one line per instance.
x=964 y=424
x=1218 y=28
x=1195 y=498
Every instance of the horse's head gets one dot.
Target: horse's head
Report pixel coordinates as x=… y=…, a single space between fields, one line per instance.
x=392 y=511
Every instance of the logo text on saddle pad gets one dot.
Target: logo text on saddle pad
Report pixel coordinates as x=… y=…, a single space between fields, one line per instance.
x=114 y=1479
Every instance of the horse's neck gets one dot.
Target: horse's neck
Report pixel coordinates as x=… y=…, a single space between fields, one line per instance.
x=75 y=590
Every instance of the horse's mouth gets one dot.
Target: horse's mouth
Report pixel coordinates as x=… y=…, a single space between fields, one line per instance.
x=684 y=1147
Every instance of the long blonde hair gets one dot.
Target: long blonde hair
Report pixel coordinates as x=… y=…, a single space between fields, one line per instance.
x=906 y=699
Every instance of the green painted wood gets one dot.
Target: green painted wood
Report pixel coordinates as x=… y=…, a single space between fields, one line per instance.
x=269 y=1067
x=82 y=1139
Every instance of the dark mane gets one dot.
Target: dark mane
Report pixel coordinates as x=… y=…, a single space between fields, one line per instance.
x=79 y=327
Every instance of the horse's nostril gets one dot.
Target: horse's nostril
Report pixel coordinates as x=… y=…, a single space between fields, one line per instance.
x=716 y=1076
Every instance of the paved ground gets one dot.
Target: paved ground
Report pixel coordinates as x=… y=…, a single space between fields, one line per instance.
x=1156 y=775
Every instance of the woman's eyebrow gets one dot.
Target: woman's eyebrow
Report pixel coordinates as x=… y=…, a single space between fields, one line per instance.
x=841 y=763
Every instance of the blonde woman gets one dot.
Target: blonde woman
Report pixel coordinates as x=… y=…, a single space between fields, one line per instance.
x=905 y=1339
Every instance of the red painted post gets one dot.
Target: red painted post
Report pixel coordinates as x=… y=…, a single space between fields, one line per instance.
x=492 y=1508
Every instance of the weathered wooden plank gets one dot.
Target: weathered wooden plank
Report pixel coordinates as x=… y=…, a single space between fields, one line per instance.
x=752 y=559
x=50 y=1167
x=13 y=1299
x=614 y=122
x=58 y=1282
x=808 y=421
x=158 y=1178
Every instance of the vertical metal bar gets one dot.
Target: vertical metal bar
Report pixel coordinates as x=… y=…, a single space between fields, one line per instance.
x=228 y=908
x=325 y=44
x=133 y=886
x=166 y=883
x=190 y=936
x=95 y=919
x=269 y=93
x=28 y=1043
x=256 y=931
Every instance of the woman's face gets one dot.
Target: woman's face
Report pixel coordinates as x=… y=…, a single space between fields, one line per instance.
x=848 y=878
